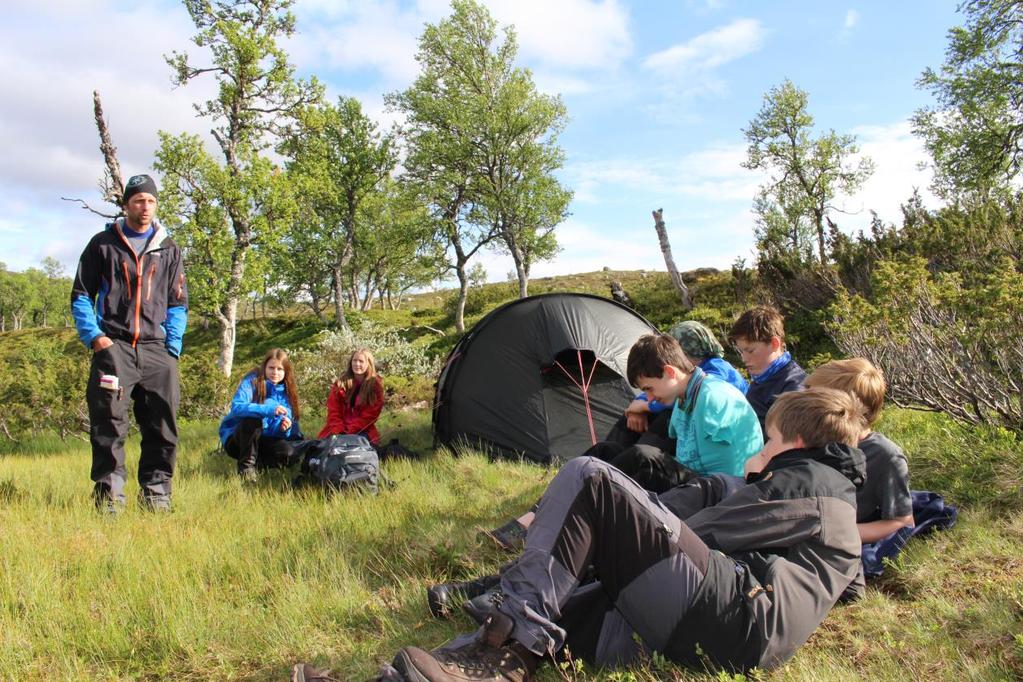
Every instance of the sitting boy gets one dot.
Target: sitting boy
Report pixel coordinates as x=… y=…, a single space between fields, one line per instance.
x=715 y=430
x=883 y=503
x=759 y=336
x=740 y=584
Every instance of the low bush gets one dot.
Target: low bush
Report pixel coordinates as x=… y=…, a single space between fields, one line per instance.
x=318 y=366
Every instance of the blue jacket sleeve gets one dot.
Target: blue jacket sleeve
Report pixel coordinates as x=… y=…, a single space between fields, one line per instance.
x=654 y=405
x=242 y=405
x=86 y=321
x=174 y=326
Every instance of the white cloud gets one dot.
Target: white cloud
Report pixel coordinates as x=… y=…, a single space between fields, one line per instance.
x=48 y=133
x=712 y=174
x=351 y=36
x=565 y=38
x=574 y=34
x=896 y=153
x=852 y=17
x=710 y=50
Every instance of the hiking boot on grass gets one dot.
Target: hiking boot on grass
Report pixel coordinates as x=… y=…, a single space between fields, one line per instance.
x=491 y=658
x=155 y=503
x=248 y=475
x=303 y=672
x=442 y=598
x=475 y=662
x=511 y=537
x=108 y=507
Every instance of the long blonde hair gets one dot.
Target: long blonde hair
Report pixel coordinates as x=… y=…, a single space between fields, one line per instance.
x=371 y=389
x=259 y=379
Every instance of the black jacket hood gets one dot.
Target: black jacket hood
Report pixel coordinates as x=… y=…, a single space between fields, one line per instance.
x=846 y=460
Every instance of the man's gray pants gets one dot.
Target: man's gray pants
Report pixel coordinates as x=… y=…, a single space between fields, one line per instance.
x=148 y=376
x=648 y=564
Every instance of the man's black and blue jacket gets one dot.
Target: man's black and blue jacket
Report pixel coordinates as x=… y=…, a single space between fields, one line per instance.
x=128 y=296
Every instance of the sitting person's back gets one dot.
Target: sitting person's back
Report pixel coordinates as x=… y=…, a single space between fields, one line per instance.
x=759 y=336
x=884 y=503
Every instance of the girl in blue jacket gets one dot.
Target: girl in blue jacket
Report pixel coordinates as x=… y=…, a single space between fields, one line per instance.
x=263 y=419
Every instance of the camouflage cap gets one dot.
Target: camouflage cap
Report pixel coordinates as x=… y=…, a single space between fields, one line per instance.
x=696 y=340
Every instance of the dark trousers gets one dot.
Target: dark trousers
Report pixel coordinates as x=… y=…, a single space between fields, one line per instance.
x=648 y=563
x=648 y=465
x=252 y=449
x=656 y=433
x=148 y=376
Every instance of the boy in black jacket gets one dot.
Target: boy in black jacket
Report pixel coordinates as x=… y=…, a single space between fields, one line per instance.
x=742 y=583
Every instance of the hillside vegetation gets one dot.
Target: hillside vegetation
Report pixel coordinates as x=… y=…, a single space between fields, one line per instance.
x=239 y=582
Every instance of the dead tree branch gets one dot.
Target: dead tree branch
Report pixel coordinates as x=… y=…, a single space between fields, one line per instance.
x=113 y=184
x=676 y=278
x=85 y=206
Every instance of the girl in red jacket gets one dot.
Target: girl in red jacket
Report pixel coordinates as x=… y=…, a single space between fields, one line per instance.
x=355 y=399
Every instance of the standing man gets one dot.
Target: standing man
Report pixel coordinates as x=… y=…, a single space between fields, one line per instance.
x=130 y=307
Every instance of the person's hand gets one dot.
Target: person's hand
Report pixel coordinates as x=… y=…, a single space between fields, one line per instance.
x=638 y=407
x=285 y=424
x=101 y=342
x=281 y=409
x=636 y=421
x=754 y=465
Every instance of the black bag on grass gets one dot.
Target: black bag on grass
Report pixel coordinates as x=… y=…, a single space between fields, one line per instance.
x=342 y=462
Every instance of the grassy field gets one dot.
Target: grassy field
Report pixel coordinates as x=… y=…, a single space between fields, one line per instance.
x=239 y=582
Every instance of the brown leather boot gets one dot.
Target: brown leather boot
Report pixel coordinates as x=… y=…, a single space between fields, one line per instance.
x=303 y=672
x=490 y=659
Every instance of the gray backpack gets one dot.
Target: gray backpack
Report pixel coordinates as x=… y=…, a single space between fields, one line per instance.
x=343 y=462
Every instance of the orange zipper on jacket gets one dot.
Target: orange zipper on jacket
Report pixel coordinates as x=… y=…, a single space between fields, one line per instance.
x=138 y=286
x=127 y=277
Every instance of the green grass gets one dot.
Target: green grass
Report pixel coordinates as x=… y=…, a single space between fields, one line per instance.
x=238 y=582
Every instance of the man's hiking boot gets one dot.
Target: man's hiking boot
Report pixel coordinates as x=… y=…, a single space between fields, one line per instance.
x=155 y=503
x=475 y=662
x=108 y=507
x=248 y=475
x=303 y=672
x=511 y=537
x=492 y=658
x=442 y=598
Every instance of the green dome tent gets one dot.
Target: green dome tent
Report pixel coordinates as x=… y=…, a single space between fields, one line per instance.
x=542 y=377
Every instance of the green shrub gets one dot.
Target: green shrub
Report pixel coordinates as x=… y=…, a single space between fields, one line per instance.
x=43 y=388
x=205 y=390
x=318 y=366
x=945 y=344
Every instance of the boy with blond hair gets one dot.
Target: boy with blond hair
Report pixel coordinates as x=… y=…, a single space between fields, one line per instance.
x=741 y=584
x=883 y=503
x=759 y=337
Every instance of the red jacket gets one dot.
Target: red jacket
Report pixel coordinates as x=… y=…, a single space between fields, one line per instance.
x=345 y=416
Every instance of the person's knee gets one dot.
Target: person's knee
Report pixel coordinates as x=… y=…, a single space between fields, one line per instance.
x=580 y=469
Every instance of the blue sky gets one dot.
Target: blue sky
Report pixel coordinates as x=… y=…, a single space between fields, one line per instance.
x=657 y=93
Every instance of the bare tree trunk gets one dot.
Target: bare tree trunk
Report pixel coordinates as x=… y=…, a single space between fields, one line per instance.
x=113 y=185
x=521 y=271
x=676 y=279
x=463 y=295
x=227 y=319
x=339 y=298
